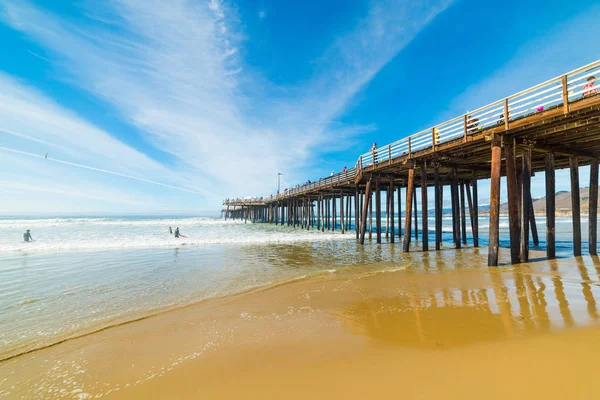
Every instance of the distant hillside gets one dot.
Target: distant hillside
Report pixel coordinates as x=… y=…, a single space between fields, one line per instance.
x=563 y=203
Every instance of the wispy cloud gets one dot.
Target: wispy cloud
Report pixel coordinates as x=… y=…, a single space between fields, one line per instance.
x=174 y=71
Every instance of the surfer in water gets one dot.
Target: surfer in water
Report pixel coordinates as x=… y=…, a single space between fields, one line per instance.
x=170 y=230
x=178 y=235
x=27 y=236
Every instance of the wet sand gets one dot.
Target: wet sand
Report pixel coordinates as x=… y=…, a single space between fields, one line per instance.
x=443 y=326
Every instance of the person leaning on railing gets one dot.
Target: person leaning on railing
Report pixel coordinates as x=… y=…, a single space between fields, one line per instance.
x=589 y=89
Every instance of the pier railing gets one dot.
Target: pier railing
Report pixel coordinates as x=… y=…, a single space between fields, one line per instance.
x=556 y=92
x=551 y=94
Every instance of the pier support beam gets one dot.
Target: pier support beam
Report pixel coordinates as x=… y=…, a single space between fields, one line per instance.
x=513 y=201
x=409 y=195
x=378 y=209
x=550 y=207
x=525 y=196
x=494 y=241
x=438 y=208
x=342 y=220
x=534 y=232
x=424 y=213
x=399 y=214
x=416 y=214
x=575 y=206
x=357 y=213
x=593 y=210
x=370 y=202
x=392 y=218
x=333 y=213
x=471 y=211
x=463 y=213
x=363 y=222
x=455 y=210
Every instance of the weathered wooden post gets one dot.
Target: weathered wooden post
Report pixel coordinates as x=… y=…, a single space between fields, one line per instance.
x=378 y=209
x=424 y=208
x=319 y=213
x=323 y=213
x=370 y=202
x=525 y=195
x=470 y=204
x=593 y=210
x=475 y=211
x=392 y=218
x=463 y=212
x=575 y=206
x=363 y=222
x=333 y=213
x=356 y=212
x=494 y=241
x=534 y=232
x=409 y=194
x=455 y=210
x=387 y=215
x=513 y=200
x=342 y=221
x=438 y=208
x=416 y=213
x=399 y=214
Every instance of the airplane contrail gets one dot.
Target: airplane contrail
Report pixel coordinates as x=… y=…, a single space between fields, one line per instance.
x=7 y=149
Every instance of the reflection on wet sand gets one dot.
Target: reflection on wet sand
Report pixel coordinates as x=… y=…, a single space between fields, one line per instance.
x=498 y=305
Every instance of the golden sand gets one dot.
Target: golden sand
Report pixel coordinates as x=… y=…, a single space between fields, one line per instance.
x=432 y=330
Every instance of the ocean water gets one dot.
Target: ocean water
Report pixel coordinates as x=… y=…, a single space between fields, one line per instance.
x=84 y=274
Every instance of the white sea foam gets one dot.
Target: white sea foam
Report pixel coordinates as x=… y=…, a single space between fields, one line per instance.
x=65 y=234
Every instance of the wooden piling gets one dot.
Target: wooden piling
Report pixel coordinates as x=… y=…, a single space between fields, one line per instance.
x=378 y=209
x=463 y=213
x=424 y=208
x=333 y=213
x=342 y=221
x=438 y=209
x=363 y=222
x=470 y=204
x=409 y=200
x=387 y=215
x=371 y=215
x=575 y=206
x=494 y=242
x=392 y=218
x=533 y=224
x=455 y=210
x=399 y=214
x=593 y=208
x=416 y=213
x=513 y=201
x=356 y=212
x=550 y=207
x=525 y=195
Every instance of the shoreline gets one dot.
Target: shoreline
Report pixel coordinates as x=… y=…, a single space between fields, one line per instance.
x=345 y=332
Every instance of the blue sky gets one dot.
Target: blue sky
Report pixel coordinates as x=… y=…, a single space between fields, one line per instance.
x=153 y=106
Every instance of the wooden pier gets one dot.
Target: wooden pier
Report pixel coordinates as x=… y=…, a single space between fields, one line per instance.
x=553 y=125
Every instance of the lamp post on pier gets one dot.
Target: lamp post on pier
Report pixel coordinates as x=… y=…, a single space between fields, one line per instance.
x=279 y=180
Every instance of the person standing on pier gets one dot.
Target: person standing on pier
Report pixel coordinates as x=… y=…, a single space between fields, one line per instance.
x=589 y=88
x=374 y=150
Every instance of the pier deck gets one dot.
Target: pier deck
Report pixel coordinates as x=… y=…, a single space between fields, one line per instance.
x=553 y=125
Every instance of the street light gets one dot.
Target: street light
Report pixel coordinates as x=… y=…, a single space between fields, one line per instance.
x=279 y=180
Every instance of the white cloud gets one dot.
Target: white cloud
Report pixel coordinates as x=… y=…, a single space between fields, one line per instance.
x=174 y=71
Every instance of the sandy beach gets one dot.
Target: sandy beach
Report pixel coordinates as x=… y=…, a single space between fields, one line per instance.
x=433 y=328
